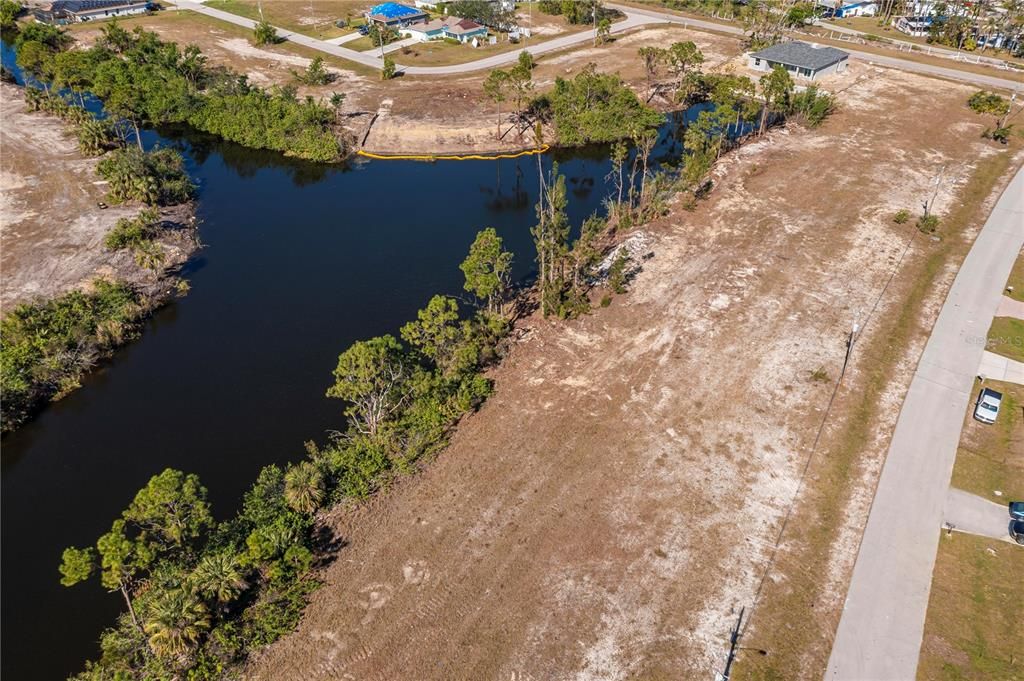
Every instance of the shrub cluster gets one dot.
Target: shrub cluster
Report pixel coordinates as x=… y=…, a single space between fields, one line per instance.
x=812 y=105
x=46 y=347
x=138 y=235
x=156 y=178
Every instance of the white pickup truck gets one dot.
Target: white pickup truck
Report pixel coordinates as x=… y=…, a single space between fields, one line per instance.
x=987 y=408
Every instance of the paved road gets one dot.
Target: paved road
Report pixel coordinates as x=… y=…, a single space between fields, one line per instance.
x=970 y=513
x=879 y=635
x=635 y=18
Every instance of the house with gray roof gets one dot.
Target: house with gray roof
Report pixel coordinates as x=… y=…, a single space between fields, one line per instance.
x=804 y=60
x=75 y=11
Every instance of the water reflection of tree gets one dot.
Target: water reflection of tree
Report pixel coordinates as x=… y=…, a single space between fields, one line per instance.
x=581 y=186
x=247 y=162
x=500 y=200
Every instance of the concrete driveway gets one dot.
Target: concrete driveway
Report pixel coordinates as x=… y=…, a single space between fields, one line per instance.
x=970 y=513
x=347 y=38
x=880 y=631
x=1000 y=368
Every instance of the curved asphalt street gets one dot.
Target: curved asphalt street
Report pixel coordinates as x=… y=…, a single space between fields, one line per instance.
x=880 y=632
x=635 y=18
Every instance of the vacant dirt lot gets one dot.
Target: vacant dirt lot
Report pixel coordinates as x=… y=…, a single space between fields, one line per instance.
x=607 y=513
x=53 y=229
x=418 y=114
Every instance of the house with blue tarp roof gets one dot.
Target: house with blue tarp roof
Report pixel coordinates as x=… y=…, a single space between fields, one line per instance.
x=394 y=14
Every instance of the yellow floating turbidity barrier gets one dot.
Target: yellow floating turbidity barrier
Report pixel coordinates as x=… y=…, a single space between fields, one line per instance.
x=469 y=157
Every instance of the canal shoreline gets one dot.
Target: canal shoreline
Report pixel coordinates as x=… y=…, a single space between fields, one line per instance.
x=55 y=225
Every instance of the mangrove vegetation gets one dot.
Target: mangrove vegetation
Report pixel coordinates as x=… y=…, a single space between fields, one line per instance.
x=144 y=81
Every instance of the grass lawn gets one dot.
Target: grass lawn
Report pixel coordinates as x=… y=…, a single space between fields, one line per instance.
x=180 y=23
x=1016 y=279
x=1006 y=338
x=975 y=612
x=314 y=18
x=991 y=457
x=361 y=45
x=440 y=53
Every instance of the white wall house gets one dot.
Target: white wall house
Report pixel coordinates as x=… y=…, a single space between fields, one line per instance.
x=914 y=26
x=802 y=60
x=457 y=28
x=77 y=11
x=849 y=8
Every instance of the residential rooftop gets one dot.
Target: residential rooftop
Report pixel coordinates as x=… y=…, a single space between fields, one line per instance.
x=802 y=54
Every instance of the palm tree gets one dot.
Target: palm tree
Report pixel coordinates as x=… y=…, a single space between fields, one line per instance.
x=304 y=487
x=93 y=136
x=219 y=575
x=176 y=623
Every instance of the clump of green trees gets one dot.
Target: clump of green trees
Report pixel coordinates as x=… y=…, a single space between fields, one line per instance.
x=498 y=15
x=991 y=104
x=10 y=10
x=46 y=347
x=591 y=107
x=265 y=34
x=765 y=22
x=200 y=595
x=564 y=265
x=577 y=11
x=515 y=84
x=596 y=107
x=156 y=177
x=142 y=80
x=315 y=74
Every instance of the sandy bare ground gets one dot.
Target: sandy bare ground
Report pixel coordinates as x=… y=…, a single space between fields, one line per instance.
x=52 y=228
x=606 y=514
x=420 y=115
x=451 y=116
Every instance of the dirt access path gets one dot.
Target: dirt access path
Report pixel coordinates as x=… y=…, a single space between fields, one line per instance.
x=53 y=228
x=609 y=510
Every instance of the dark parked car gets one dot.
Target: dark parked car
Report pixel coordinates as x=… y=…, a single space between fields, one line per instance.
x=364 y=30
x=1017 y=531
x=1017 y=510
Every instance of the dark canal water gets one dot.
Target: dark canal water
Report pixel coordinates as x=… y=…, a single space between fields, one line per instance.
x=300 y=261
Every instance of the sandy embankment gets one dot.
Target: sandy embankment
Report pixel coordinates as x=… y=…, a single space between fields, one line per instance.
x=51 y=240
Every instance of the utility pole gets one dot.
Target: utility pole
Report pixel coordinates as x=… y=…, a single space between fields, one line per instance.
x=529 y=4
x=734 y=638
x=594 y=12
x=936 y=183
x=851 y=339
